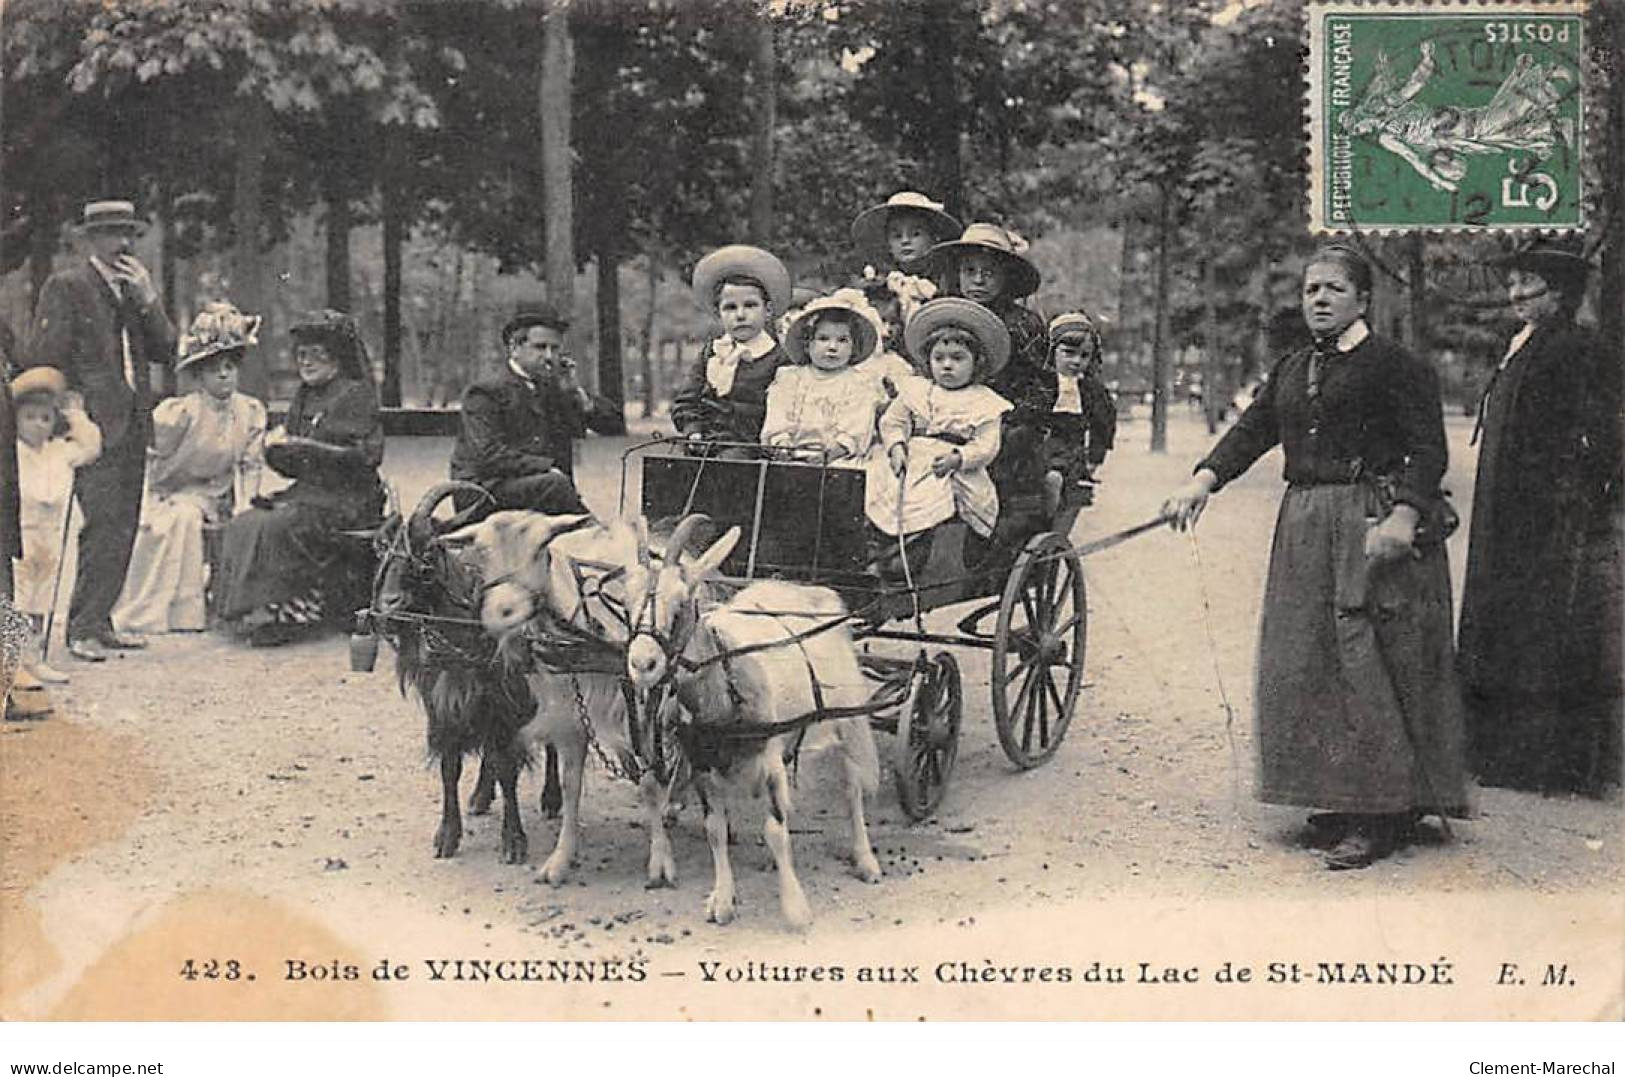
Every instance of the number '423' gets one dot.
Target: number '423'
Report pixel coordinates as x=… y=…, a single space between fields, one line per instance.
x=211 y=969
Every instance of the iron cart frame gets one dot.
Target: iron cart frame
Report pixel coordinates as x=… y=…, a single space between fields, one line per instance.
x=803 y=520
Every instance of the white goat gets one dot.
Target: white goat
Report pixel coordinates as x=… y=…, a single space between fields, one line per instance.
x=737 y=665
x=530 y=563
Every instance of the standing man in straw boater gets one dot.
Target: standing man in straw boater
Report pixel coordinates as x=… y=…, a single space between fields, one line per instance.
x=99 y=321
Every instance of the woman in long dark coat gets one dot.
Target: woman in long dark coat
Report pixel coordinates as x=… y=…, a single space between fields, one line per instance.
x=1540 y=619
x=285 y=569
x=1356 y=698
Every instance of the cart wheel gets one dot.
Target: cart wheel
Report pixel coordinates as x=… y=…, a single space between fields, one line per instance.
x=1042 y=631
x=928 y=738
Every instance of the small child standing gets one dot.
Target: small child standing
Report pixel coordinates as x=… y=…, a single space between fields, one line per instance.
x=941 y=435
x=45 y=466
x=724 y=397
x=1082 y=420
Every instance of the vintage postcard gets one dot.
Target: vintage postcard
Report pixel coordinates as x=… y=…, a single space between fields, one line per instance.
x=1000 y=745
x=1446 y=116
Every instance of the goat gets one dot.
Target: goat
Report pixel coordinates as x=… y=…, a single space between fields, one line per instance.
x=473 y=702
x=743 y=663
x=530 y=562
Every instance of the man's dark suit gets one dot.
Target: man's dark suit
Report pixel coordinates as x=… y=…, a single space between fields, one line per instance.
x=516 y=441
x=77 y=330
x=11 y=533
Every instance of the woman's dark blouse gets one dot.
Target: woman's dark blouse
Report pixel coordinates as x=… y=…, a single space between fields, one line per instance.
x=343 y=413
x=1377 y=411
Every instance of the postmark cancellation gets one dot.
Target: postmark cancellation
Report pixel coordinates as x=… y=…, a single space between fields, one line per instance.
x=1456 y=117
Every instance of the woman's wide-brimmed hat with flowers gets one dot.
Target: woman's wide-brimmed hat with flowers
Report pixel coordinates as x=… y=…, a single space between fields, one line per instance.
x=742 y=260
x=342 y=337
x=39 y=383
x=218 y=328
x=1021 y=276
x=964 y=314
x=869 y=227
x=863 y=318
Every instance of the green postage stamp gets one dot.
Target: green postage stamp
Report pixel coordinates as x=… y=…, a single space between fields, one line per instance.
x=1457 y=116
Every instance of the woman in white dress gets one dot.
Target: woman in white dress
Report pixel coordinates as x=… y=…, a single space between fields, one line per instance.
x=204 y=465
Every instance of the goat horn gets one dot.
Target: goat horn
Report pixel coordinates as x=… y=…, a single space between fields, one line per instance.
x=418 y=526
x=678 y=542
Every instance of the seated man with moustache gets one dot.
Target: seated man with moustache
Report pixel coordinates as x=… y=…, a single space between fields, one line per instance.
x=518 y=428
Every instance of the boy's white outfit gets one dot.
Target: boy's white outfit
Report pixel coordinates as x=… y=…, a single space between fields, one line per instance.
x=45 y=482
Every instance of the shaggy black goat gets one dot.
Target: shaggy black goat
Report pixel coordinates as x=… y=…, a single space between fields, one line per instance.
x=426 y=603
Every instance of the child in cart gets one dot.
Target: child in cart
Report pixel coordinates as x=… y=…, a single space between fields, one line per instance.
x=940 y=435
x=54 y=437
x=1082 y=418
x=724 y=397
x=819 y=406
x=898 y=234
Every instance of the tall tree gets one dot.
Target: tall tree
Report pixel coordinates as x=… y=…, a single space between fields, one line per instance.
x=554 y=103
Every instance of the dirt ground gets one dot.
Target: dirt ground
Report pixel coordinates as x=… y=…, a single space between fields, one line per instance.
x=207 y=801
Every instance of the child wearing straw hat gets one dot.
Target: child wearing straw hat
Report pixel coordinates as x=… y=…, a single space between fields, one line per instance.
x=54 y=437
x=724 y=397
x=941 y=434
x=899 y=234
x=205 y=463
x=820 y=404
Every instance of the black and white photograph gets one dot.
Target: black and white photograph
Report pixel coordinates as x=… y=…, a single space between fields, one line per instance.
x=811 y=511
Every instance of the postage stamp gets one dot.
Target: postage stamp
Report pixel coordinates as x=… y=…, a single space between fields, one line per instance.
x=1446 y=116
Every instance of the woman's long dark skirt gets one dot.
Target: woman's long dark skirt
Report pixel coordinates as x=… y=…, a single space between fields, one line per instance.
x=273 y=555
x=1357 y=703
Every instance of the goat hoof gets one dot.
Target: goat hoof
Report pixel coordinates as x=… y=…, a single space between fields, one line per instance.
x=446 y=841
x=515 y=849
x=552 y=804
x=867 y=868
x=717 y=911
x=661 y=882
x=480 y=802
x=556 y=871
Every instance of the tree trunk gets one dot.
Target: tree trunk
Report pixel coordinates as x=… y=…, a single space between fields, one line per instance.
x=1611 y=306
x=554 y=102
x=394 y=211
x=946 y=122
x=1128 y=338
x=247 y=271
x=761 y=143
x=166 y=274
x=611 y=383
x=651 y=391
x=336 y=191
x=1212 y=389
x=1416 y=294
x=1159 y=325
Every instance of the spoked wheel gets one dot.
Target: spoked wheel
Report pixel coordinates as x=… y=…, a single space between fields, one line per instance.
x=1038 y=648
x=928 y=738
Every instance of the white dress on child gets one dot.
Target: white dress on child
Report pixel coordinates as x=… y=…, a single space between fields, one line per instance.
x=808 y=408
x=206 y=459
x=45 y=483
x=923 y=410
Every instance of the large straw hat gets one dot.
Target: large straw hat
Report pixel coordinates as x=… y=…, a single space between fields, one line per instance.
x=111 y=215
x=45 y=381
x=869 y=227
x=964 y=314
x=860 y=316
x=219 y=327
x=1022 y=275
x=742 y=260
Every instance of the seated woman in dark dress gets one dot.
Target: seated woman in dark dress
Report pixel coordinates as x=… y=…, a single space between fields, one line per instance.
x=286 y=569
